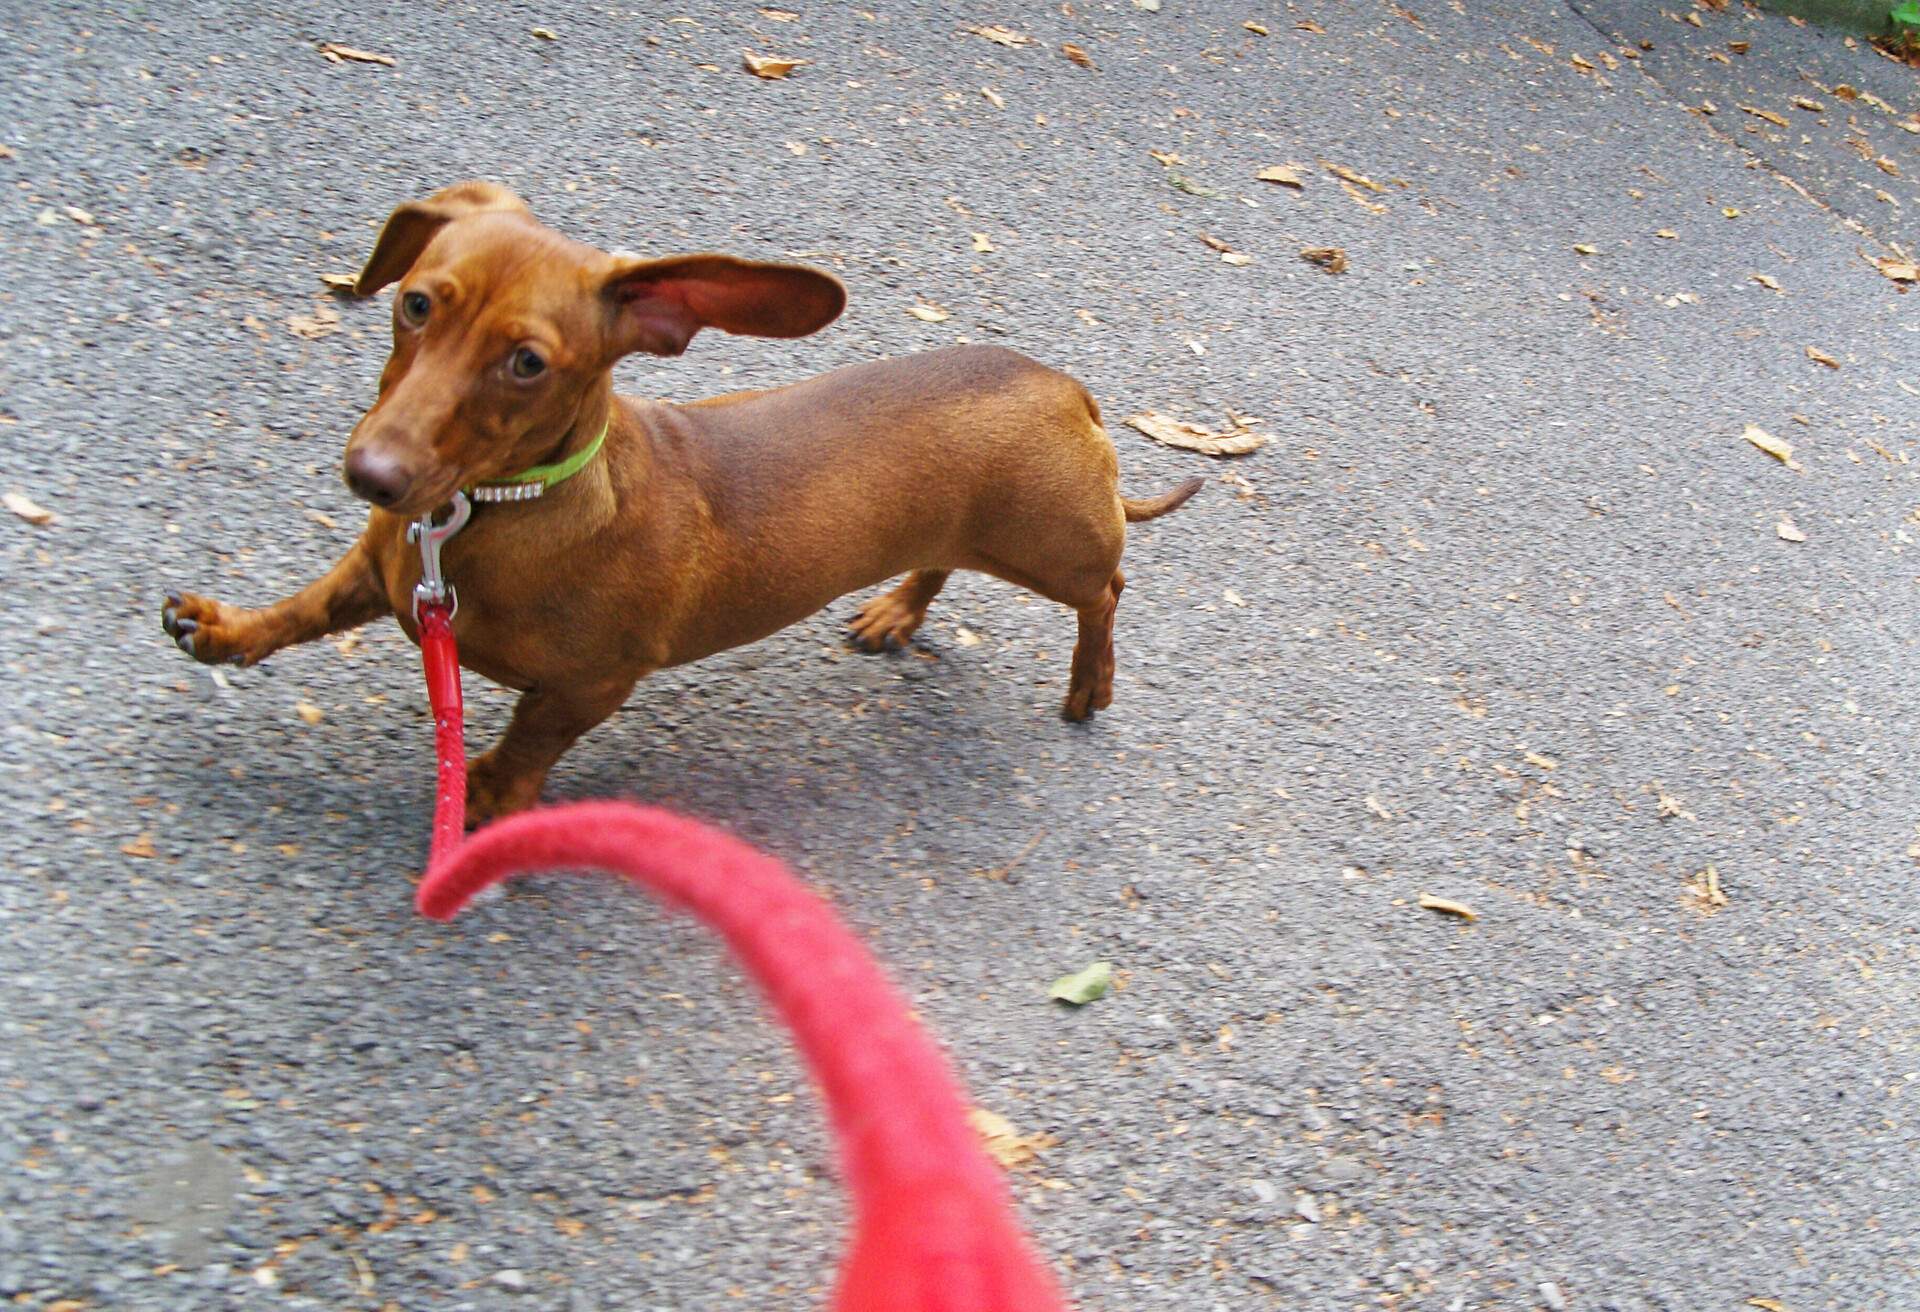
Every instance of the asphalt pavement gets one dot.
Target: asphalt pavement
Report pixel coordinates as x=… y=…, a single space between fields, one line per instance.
x=1510 y=611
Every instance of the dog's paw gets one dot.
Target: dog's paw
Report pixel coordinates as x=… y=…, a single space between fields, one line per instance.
x=883 y=624
x=211 y=632
x=492 y=795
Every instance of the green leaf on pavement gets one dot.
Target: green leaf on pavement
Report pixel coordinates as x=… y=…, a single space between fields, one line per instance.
x=1084 y=986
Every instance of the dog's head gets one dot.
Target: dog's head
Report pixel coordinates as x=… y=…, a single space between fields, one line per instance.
x=502 y=329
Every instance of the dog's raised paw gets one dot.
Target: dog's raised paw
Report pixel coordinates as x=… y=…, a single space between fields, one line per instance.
x=202 y=629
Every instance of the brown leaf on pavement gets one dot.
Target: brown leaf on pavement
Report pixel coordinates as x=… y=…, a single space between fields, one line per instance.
x=338 y=54
x=1449 y=906
x=1780 y=450
x=1331 y=258
x=1819 y=356
x=1191 y=437
x=771 y=67
x=1002 y=36
x=1281 y=174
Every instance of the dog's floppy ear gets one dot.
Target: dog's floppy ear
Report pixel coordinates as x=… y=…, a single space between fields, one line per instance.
x=413 y=225
x=658 y=305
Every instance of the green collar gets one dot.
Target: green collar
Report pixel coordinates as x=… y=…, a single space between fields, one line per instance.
x=531 y=483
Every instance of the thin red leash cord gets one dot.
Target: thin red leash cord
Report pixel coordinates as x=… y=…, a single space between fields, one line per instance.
x=440 y=656
x=934 y=1226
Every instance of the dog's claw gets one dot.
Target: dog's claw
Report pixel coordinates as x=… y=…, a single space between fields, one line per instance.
x=185 y=643
x=168 y=616
x=186 y=626
x=175 y=600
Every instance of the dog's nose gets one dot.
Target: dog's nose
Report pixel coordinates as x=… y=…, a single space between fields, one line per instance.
x=376 y=475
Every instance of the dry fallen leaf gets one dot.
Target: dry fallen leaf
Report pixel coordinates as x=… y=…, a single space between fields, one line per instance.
x=1281 y=174
x=1898 y=270
x=771 y=67
x=1773 y=446
x=1233 y=598
x=1151 y=6
x=309 y=712
x=1236 y=258
x=338 y=54
x=928 y=312
x=1357 y=179
x=341 y=282
x=1544 y=762
x=1192 y=437
x=1308 y=25
x=1258 y=29
x=1331 y=258
x=966 y=637
x=1671 y=808
x=1819 y=356
x=1002 y=36
x=1076 y=54
x=1667 y=233
x=141 y=847
x=1214 y=242
x=780 y=15
x=26 y=508
x=1706 y=890
x=1378 y=807
x=993 y=97
x=1730 y=212
x=1788 y=531
x=1166 y=158
x=1003 y=1143
x=546 y=33
x=1767 y=1304
x=1449 y=906
x=1768 y=281
x=323 y=321
x=981 y=244
x=1586 y=250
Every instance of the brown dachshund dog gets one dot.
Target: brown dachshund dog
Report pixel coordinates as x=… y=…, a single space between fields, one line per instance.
x=677 y=531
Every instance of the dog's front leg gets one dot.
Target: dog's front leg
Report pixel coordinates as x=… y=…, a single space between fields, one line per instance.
x=546 y=721
x=214 y=633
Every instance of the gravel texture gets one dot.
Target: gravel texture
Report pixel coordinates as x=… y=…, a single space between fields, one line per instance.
x=1502 y=614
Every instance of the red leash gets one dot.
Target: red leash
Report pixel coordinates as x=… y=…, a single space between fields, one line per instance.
x=434 y=604
x=934 y=1226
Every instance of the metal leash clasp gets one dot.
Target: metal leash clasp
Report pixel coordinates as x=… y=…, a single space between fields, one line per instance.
x=433 y=587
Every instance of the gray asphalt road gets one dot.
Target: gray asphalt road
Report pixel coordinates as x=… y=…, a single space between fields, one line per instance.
x=1502 y=614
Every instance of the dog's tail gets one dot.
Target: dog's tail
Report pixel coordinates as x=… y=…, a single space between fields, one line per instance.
x=935 y=1228
x=1139 y=508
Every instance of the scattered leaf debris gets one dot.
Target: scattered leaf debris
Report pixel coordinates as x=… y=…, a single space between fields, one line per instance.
x=1706 y=890
x=323 y=322
x=309 y=712
x=1281 y=174
x=1768 y=281
x=1002 y=36
x=545 y=33
x=141 y=847
x=1331 y=258
x=928 y=312
x=1346 y=174
x=28 y=509
x=339 y=54
x=1191 y=437
x=1671 y=808
x=1084 y=986
x=771 y=67
x=341 y=282
x=1773 y=446
x=1448 y=906
x=1788 y=531
x=1819 y=356
x=1897 y=270
x=1003 y=1143
x=1077 y=54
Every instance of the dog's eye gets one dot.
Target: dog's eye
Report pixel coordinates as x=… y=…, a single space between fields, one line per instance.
x=526 y=363
x=414 y=307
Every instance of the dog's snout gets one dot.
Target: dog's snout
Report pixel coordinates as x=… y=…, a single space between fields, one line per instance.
x=377 y=475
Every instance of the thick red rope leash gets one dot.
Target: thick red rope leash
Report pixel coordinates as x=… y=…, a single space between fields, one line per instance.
x=934 y=1226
